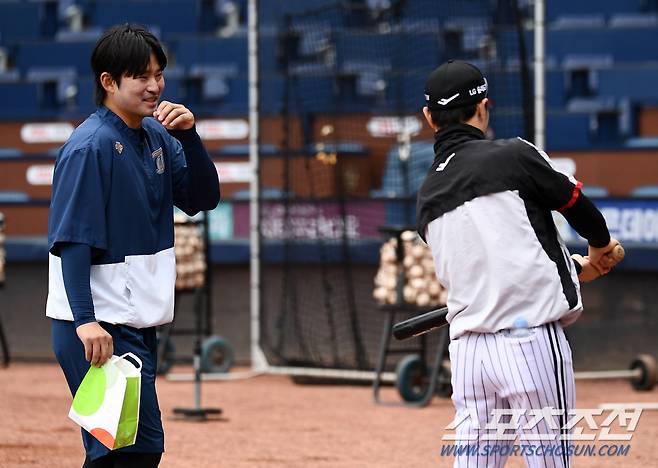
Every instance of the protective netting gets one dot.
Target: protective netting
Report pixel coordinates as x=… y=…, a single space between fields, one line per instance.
x=344 y=149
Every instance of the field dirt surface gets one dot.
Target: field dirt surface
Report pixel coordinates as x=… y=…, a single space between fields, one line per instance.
x=269 y=421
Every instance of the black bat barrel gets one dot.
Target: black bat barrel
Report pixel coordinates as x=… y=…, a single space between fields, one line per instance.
x=420 y=324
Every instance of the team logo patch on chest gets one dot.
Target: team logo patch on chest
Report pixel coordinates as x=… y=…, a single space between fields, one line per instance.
x=119 y=147
x=158 y=156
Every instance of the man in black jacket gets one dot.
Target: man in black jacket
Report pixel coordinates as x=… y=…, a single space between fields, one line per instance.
x=485 y=211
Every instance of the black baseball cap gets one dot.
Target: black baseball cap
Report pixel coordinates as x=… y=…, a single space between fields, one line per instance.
x=455 y=84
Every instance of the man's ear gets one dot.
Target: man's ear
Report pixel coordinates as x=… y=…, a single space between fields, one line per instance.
x=428 y=117
x=108 y=83
x=482 y=108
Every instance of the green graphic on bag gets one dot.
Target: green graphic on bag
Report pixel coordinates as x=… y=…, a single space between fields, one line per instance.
x=107 y=401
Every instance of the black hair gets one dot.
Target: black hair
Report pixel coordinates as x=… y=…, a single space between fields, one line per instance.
x=444 y=118
x=124 y=50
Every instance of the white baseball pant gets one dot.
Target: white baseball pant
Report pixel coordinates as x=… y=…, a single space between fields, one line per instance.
x=503 y=371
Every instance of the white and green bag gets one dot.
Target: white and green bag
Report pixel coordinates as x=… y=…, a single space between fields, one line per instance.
x=107 y=401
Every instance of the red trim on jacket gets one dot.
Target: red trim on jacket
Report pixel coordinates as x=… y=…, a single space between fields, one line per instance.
x=574 y=196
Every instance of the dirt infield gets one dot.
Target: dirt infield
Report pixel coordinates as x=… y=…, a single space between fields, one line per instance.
x=271 y=422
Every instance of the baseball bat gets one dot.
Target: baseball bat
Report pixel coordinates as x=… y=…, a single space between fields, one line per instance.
x=421 y=324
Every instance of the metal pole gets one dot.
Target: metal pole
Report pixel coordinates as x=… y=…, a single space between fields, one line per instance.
x=258 y=360
x=539 y=66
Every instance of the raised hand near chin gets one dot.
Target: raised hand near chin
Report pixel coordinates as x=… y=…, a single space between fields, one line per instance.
x=174 y=116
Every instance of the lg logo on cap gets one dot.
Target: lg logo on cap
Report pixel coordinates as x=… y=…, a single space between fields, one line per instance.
x=479 y=90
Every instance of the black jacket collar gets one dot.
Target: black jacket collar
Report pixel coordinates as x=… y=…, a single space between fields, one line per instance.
x=454 y=135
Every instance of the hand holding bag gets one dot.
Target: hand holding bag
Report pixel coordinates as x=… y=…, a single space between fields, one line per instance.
x=107 y=401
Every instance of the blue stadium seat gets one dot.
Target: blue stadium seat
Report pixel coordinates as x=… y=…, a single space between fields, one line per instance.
x=645 y=191
x=504 y=87
x=173 y=88
x=423 y=9
x=271 y=94
x=169 y=17
x=267 y=193
x=57 y=85
x=236 y=102
x=88 y=35
x=361 y=46
x=19 y=100
x=404 y=51
x=642 y=142
x=55 y=54
x=243 y=149
x=567 y=131
x=314 y=41
x=578 y=22
x=271 y=12
x=192 y=50
x=382 y=72
x=633 y=82
x=580 y=74
x=13 y=196
x=593 y=105
x=214 y=80
x=469 y=31
x=20 y=21
x=268 y=55
x=595 y=191
x=507 y=123
x=621 y=44
x=633 y=20
x=9 y=153
x=343 y=147
x=217 y=95
x=85 y=98
x=389 y=70
x=370 y=79
x=555 y=89
x=404 y=92
x=555 y=8
x=10 y=76
x=50 y=74
x=587 y=61
x=316 y=94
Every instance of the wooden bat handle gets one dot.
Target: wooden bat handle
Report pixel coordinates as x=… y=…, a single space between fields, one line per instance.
x=618 y=253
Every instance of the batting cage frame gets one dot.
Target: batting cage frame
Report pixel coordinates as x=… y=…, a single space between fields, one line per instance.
x=294 y=146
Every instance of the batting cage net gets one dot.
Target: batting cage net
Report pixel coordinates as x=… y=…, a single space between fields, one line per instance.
x=343 y=149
